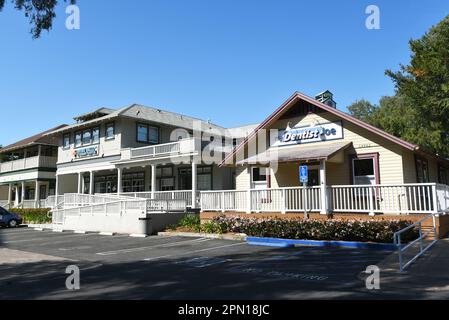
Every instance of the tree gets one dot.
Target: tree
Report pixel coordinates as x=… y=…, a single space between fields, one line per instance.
x=424 y=84
x=39 y=12
x=363 y=110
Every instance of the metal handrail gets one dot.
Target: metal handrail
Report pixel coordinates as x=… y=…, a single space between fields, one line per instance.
x=401 y=248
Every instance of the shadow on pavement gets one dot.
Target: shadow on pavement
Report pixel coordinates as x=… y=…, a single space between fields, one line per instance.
x=230 y=276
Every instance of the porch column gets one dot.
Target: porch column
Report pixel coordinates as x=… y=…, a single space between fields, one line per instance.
x=324 y=208
x=119 y=181
x=9 y=193
x=80 y=182
x=91 y=183
x=153 y=181
x=23 y=192
x=16 y=202
x=36 y=194
x=194 y=183
x=56 y=190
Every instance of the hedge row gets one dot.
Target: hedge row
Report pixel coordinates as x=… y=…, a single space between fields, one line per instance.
x=380 y=231
x=37 y=216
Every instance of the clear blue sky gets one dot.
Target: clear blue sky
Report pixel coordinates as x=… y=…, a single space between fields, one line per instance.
x=233 y=61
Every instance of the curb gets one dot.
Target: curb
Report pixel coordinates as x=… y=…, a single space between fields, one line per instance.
x=234 y=237
x=285 y=243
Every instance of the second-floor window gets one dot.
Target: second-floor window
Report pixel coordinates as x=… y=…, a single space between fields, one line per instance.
x=87 y=137
x=66 y=141
x=110 y=131
x=147 y=133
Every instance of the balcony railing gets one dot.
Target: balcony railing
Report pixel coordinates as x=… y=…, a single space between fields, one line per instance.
x=185 y=146
x=418 y=198
x=28 y=163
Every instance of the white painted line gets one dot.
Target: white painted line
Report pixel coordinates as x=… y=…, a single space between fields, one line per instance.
x=39 y=239
x=195 y=251
x=58 y=230
x=79 y=232
x=164 y=245
x=138 y=235
x=38 y=229
x=107 y=233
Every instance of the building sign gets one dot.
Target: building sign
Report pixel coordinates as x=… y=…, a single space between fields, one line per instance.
x=85 y=152
x=300 y=135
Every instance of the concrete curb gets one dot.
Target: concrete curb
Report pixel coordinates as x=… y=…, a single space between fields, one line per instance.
x=234 y=237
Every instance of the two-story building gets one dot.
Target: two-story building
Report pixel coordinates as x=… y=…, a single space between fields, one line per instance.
x=138 y=150
x=28 y=170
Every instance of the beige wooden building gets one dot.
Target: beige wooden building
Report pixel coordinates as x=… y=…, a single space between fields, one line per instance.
x=352 y=166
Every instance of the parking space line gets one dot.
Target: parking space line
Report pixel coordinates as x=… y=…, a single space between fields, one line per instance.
x=194 y=251
x=43 y=238
x=164 y=245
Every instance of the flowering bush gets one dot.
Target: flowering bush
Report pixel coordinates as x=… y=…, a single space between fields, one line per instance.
x=380 y=231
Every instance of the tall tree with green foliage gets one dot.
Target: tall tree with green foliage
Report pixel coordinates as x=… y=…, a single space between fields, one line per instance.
x=363 y=110
x=40 y=13
x=424 y=86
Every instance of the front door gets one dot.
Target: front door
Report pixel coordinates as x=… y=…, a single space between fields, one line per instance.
x=314 y=178
x=42 y=192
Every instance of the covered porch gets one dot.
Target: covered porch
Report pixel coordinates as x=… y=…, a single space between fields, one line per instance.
x=26 y=194
x=339 y=181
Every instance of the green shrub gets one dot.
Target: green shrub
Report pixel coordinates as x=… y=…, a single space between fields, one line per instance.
x=189 y=221
x=211 y=227
x=380 y=231
x=38 y=216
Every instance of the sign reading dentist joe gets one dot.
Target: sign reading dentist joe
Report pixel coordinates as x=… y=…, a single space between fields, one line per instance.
x=299 y=135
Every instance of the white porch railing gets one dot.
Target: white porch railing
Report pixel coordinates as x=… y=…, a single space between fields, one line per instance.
x=28 y=163
x=390 y=199
x=81 y=200
x=398 y=199
x=262 y=200
x=119 y=206
x=184 y=146
x=185 y=195
x=4 y=204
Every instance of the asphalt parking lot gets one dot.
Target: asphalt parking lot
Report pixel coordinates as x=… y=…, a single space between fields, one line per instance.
x=161 y=267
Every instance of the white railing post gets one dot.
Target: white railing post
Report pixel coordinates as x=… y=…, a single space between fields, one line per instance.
x=223 y=202
x=284 y=201
x=434 y=198
x=371 y=201
x=248 y=201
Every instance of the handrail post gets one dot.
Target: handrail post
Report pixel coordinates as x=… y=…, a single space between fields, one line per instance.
x=421 y=240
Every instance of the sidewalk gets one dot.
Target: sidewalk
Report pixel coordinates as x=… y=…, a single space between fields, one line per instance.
x=426 y=278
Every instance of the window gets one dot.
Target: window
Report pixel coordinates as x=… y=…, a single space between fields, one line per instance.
x=147 y=134
x=96 y=135
x=87 y=137
x=422 y=170
x=260 y=174
x=78 y=139
x=442 y=174
x=167 y=184
x=110 y=131
x=134 y=182
x=66 y=141
x=364 y=172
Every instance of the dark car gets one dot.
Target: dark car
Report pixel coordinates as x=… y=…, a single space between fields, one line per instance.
x=9 y=219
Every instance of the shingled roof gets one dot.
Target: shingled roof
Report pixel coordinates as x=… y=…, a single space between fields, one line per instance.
x=40 y=138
